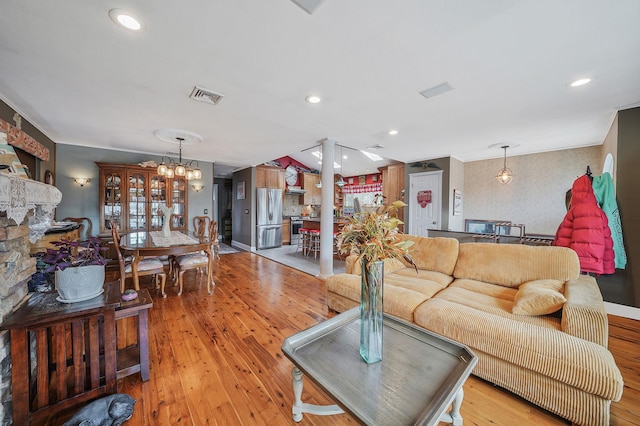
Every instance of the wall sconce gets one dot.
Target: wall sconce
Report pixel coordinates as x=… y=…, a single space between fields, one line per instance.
x=82 y=181
x=197 y=187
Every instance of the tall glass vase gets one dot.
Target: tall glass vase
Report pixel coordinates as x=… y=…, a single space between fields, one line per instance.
x=371 y=312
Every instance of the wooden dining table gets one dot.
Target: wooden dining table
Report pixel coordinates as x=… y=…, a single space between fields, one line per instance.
x=153 y=243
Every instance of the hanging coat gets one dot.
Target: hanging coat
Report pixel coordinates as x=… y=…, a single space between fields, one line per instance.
x=585 y=229
x=606 y=197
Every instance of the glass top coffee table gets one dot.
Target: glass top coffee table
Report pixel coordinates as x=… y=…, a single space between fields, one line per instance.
x=420 y=376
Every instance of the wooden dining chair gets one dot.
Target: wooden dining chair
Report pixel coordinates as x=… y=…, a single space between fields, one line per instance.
x=199 y=261
x=86 y=226
x=201 y=226
x=147 y=266
x=214 y=237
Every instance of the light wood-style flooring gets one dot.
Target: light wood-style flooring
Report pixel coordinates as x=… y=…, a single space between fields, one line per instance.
x=216 y=360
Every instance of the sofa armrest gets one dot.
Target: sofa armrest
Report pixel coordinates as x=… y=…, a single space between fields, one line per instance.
x=584 y=314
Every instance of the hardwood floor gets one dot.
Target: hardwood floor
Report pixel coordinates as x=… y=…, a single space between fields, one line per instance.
x=216 y=360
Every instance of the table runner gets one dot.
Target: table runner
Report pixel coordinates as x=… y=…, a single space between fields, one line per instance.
x=175 y=239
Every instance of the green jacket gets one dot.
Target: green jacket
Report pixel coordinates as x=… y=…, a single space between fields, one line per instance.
x=606 y=196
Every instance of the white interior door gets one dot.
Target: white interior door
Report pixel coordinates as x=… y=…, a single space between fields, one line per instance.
x=425 y=202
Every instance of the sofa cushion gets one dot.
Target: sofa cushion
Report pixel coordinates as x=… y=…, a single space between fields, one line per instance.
x=353 y=265
x=434 y=254
x=419 y=285
x=510 y=265
x=553 y=353
x=421 y=274
x=401 y=294
x=493 y=290
x=485 y=302
x=539 y=297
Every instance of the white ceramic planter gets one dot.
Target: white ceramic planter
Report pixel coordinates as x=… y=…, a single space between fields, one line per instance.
x=80 y=283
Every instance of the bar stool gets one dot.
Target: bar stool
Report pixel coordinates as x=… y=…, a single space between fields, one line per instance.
x=314 y=242
x=336 y=249
x=303 y=240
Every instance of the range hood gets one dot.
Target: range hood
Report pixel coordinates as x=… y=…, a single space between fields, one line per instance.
x=295 y=190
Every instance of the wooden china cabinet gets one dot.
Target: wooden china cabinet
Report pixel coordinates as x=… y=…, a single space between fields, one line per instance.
x=131 y=195
x=393 y=186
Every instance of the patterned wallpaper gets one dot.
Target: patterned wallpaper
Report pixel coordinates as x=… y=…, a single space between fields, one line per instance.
x=536 y=196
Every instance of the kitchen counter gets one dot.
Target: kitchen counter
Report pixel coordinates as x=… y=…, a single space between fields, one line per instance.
x=314 y=223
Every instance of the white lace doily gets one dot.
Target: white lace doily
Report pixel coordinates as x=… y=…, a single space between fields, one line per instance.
x=19 y=195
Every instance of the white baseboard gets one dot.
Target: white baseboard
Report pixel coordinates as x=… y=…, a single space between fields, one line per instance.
x=242 y=246
x=622 y=310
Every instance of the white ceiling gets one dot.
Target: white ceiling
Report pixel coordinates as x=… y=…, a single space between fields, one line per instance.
x=68 y=69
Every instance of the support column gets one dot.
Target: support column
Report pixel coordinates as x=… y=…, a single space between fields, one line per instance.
x=326 y=211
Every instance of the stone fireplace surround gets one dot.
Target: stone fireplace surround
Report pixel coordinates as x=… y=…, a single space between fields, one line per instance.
x=20 y=199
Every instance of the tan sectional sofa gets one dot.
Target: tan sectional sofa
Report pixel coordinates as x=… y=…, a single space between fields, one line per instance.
x=539 y=328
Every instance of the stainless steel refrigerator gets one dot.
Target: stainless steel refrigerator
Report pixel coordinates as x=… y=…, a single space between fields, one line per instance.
x=269 y=207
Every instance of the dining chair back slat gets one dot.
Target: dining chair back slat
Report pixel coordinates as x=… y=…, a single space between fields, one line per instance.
x=151 y=266
x=201 y=226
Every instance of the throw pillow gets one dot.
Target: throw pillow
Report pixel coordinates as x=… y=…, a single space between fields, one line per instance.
x=539 y=297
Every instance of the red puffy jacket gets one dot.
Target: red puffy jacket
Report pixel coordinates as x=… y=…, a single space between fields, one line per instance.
x=585 y=229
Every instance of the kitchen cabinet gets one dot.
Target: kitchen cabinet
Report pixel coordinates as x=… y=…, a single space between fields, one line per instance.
x=337 y=191
x=393 y=185
x=131 y=195
x=286 y=231
x=270 y=177
x=313 y=194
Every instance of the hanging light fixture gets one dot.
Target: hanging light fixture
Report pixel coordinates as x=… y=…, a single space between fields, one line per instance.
x=341 y=181
x=505 y=175
x=178 y=169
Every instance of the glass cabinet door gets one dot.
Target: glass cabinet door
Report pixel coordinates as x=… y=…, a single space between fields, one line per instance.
x=131 y=195
x=158 y=190
x=112 y=206
x=178 y=201
x=137 y=202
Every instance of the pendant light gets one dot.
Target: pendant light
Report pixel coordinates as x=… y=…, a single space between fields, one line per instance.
x=181 y=170
x=505 y=175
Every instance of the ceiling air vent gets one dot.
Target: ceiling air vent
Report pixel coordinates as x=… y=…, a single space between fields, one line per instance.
x=205 y=95
x=436 y=90
x=308 y=6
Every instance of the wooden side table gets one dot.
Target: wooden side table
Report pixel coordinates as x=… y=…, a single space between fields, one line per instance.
x=133 y=358
x=73 y=356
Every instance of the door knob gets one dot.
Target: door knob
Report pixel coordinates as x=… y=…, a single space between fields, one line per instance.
x=434 y=222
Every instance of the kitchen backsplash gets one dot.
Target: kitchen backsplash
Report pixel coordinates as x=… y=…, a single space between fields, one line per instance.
x=292 y=206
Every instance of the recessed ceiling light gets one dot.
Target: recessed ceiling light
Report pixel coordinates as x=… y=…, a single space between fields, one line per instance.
x=580 y=82
x=312 y=99
x=393 y=132
x=125 y=19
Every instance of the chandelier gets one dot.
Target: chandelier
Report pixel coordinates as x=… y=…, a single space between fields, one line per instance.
x=505 y=175
x=186 y=170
